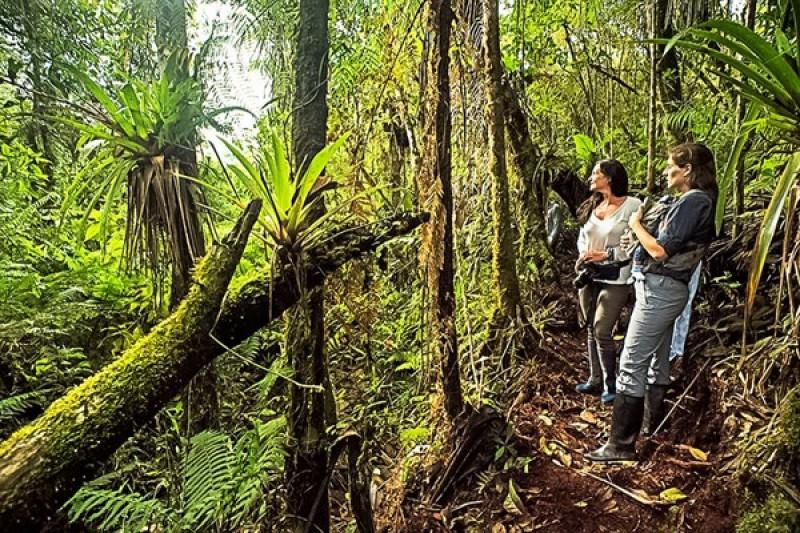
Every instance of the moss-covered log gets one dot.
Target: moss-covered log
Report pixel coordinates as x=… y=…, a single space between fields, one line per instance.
x=43 y=463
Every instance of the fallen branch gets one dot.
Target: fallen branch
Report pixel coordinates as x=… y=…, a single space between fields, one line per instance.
x=680 y=398
x=629 y=493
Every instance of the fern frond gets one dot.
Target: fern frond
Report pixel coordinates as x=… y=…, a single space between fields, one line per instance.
x=209 y=475
x=14 y=406
x=114 y=510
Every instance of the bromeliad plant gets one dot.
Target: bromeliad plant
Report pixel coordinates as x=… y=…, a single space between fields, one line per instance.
x=142 y=142
x=770 y=81
x=289 y=200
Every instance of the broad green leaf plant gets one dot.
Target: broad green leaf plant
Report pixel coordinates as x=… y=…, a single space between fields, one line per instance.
x=135 y=145
x=289 y=198
x=770 y=80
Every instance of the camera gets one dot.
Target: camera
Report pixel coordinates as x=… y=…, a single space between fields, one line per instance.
x=601 y=271
x=585 y=276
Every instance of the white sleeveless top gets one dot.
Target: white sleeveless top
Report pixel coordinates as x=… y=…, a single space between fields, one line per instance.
x=599 y=234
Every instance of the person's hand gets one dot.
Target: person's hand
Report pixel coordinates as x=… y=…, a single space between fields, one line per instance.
x=595 y=256
x=636 y=218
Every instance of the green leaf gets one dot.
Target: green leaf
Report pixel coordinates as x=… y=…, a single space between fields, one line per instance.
x=280 y=176
x=771 y=59
x=672 y=495
x=104 y=99
x=584 y=147
x=780 y=92
x=767 y=230
x=735 y=154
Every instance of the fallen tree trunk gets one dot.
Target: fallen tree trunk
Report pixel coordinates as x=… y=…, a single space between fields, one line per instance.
x=43 y=463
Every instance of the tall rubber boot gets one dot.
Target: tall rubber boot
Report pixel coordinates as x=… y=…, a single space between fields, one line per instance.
x=608 y=360
x=625 y=424
x=653 y=408
x=594 y=385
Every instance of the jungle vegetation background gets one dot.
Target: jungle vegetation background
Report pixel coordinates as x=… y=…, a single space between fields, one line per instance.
x=120 y=166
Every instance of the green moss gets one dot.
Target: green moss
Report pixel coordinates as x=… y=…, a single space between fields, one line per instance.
x=790 y=423
x=776 y=515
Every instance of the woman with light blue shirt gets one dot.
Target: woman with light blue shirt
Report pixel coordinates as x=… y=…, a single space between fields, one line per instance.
x=604 y=272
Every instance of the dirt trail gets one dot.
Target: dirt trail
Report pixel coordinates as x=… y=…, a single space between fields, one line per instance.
x=556 y=425
x=562 y=492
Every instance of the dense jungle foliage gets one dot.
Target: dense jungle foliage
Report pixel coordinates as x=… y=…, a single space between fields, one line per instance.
x=306 y=265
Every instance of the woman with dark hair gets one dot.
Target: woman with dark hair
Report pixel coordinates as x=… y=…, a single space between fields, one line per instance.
x=604 y=272
x=663 y=265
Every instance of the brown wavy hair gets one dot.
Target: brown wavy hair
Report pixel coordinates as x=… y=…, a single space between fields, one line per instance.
x=704 y=171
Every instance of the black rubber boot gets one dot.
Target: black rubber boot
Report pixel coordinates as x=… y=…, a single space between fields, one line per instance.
x=653 y=408
x=608 y=360
x=625 y=424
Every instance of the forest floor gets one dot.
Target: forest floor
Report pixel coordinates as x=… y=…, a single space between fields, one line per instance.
x=561 y=491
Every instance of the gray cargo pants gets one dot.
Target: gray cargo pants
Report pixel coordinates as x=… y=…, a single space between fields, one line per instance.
x=600 y=307
x=645 y=357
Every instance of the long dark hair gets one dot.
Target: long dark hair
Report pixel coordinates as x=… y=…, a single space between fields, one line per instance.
x=617 y=174
x=704 y=171
x=618 y=181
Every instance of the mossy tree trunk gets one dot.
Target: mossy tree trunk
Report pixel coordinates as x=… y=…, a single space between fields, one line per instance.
x=528 y=162
x=43 y=463
x=508 y=308
x=201 y=402
x=436 y=195
x=311 y=408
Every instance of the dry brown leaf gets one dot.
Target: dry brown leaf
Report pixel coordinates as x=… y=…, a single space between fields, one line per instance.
x=642 y=494
x=610 y=506
x=588 y=416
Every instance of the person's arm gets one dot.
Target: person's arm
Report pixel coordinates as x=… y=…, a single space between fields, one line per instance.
x=648 y=242
x=582 y=241
x=677 y=229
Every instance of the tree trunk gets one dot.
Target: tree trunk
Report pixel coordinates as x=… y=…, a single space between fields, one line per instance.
x=739 y=177
x=528 y=160
x=311 y=408
x=652 y=121
x=667 y=68
x=504 y=271
x=44 y=462
x=436 y=195
x=201 y=403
